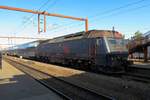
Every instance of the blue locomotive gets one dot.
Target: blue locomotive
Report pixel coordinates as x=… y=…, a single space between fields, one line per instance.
x=96 y=49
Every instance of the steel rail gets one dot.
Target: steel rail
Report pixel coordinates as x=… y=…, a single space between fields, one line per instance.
x=138 y=77
x=138 y=74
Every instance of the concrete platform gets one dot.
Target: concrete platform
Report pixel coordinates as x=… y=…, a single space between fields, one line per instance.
x=16 y=85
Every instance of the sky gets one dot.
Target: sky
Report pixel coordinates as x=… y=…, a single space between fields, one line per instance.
x=127 y=16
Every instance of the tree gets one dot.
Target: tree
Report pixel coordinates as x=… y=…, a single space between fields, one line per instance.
x=137 y=35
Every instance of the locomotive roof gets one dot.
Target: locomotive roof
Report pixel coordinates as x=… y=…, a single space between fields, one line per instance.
x=83 y=34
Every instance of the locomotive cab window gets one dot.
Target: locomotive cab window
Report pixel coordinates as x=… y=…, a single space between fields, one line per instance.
x=116 y=44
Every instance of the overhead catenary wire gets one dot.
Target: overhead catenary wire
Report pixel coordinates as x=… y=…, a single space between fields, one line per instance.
x=109 y=11
x=126 y=11
x=104 y=13
x=25 y=24
x=118 y=8
x=121 y=12
x=100 y=15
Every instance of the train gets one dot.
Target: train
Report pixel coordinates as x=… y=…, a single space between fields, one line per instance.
x=102 y=50
x=26 y=50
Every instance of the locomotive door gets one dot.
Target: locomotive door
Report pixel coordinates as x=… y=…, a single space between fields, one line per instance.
x=100 y=52
x=92 y=48
x=99 y=45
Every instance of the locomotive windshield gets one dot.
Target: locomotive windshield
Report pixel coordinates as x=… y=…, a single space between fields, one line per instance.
x=116 y=44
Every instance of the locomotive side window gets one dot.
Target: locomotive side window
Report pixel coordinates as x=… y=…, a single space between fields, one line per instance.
x=99 y=42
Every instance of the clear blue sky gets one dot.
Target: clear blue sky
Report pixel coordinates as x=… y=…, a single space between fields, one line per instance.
x=102 y=14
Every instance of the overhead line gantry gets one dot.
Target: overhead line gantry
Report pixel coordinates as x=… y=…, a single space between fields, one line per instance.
x=45 y=14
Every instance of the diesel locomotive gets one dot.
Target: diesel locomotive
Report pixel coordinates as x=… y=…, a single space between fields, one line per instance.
x=103 y=50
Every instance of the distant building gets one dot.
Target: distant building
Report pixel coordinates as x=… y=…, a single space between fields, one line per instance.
x=147 y=35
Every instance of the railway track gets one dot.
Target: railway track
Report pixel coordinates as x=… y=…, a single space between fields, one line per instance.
x=137 y=77
x=65 y=89
x=145 y=70
x=138 y=74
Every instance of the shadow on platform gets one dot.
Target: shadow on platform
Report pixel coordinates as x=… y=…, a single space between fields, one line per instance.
x=22 y=87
